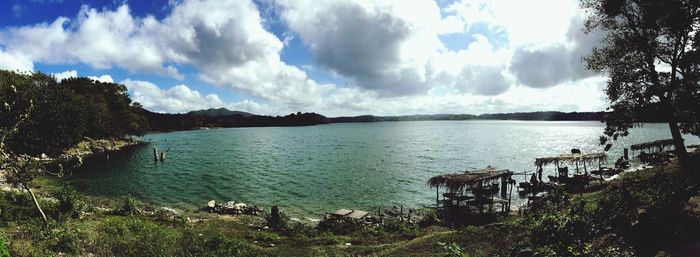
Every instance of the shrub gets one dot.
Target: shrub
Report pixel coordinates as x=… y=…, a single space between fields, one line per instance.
x=403 y=228
x=340 y=226
x=4 y=250
x=193 y=244
x=429 y=217
x=69 y=203
x=454 y=250
x=126 y=236
x=276 y=220
x=64 y=241
x=130 y=206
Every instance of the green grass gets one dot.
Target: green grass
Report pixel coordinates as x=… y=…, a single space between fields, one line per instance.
x=602 y=223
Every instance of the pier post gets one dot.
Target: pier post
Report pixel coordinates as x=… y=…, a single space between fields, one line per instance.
x=627 y=157
x=155 y=154
x=504 y=189
x=162 y=156
x=437 y=197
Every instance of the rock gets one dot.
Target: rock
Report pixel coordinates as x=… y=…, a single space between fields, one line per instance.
x=211 y=204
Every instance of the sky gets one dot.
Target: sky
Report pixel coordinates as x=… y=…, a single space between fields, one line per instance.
x=337 y=58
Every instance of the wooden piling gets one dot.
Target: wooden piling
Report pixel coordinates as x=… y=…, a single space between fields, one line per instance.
x=162 y=156
x=155 y=154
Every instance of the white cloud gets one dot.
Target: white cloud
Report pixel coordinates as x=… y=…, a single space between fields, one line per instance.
x=12 y=61
x=74 y=74
x=389 y=51
x=66 y=74
x=179 y=98
x=382 y=45
x=182 y=99
x=535 y=22
x=583 y=95
x=225 y=40
x=103 y=78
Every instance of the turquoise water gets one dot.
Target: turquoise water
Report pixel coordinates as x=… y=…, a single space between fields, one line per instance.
x=312 y=170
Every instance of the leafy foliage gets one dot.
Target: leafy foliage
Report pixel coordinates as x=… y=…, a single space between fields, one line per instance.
x=651 y=54
x=47 y=116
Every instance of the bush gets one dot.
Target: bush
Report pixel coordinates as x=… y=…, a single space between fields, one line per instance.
x=130 y=206
x=429 y=217
x=64 y=240
x=299 y=229
x=4 y=250
x=402 y=228
x=193 y=244
x=340 y=225
x=276 y=220
x=454 y=250
x=69 y=203
x=126 y=236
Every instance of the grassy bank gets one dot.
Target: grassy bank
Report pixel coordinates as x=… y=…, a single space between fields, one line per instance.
x=639 y=214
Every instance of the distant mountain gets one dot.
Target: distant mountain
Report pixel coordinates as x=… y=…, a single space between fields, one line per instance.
x=189 y=121
x=545 y=116
x=219 y=112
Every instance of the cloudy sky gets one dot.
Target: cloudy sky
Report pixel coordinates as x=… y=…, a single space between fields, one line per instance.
x=379 y=57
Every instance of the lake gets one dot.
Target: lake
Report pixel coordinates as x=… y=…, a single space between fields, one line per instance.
x=308 y=171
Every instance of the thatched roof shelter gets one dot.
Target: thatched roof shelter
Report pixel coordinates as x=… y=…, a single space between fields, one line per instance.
x=653 y=145
x=571 y=158
x=468 y=179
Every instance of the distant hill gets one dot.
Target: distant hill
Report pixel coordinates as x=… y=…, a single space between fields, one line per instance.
x=212 y=112
x=544 y=116
x=189 y=121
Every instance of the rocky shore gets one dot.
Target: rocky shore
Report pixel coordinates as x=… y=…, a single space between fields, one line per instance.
x=88 y=149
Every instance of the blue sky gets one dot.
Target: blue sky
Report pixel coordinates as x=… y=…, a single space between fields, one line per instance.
x=384 y=57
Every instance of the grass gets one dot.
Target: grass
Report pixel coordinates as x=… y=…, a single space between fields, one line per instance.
x=636 y=215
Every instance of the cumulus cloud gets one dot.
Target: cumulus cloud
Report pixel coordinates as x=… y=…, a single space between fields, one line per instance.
x=382 y=45
x=74 y=74
x=537 y=22
x=480 y=69
x=99 y=39
x=13 y=61
x=225 y=40
x=552 y=65
x=66 y=74
x=103 y=78
x=176 y=99
x=583 y=95
x=389 y=53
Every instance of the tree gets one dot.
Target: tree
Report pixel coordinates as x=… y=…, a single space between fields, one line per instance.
x=651 y=54
x=16 y=107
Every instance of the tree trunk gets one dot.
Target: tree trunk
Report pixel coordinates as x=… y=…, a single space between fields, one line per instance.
x=678 y=143
x=676 y=134
x=36 y=203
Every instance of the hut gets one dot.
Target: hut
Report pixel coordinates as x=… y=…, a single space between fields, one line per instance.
x=473 y=190
x=654 y=152
x=578 y=159
x=653 y=146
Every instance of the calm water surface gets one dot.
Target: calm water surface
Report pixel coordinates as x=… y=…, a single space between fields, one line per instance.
x=312 y=170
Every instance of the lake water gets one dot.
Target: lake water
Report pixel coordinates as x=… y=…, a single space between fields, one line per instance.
x=312 y=170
